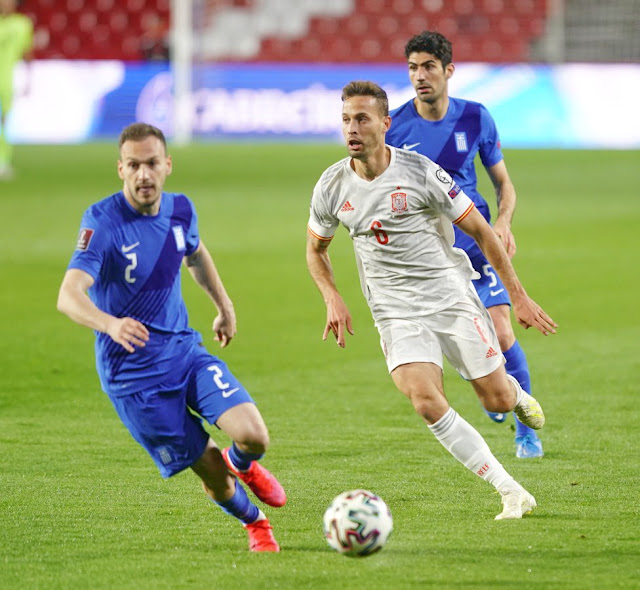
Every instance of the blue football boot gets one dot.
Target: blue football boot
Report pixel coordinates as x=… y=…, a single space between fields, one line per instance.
x=496 y=416
x=529 y=446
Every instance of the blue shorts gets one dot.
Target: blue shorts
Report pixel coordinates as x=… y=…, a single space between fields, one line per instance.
x=163 y=419
x=489 y=287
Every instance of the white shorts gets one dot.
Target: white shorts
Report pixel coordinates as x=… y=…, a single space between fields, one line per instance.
x=464 y=333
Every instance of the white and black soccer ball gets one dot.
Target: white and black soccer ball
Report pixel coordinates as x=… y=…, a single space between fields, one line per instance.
x=357 y=523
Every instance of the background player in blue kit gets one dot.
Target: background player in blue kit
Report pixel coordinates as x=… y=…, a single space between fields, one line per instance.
x=451 y=131
x=124 y=282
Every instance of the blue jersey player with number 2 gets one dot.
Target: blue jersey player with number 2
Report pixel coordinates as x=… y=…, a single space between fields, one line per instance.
x=123 y=281
x=451 y=131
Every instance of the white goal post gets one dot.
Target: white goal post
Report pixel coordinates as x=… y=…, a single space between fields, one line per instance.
x=182 y=67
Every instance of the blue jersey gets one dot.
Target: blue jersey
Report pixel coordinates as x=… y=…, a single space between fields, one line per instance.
x=135 y=262
x=453 y=142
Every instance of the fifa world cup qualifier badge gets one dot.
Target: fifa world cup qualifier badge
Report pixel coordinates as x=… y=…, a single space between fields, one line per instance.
x=84 y=239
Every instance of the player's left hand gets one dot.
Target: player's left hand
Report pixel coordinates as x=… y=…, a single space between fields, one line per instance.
x=503 y=231
x=224 y=328
x=530 y=314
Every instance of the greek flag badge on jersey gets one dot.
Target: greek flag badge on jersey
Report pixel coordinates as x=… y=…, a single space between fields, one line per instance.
x=165 y=455
x=461 y=141
x=178 y=234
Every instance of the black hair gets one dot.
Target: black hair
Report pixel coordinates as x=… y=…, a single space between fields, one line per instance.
x=433 y=43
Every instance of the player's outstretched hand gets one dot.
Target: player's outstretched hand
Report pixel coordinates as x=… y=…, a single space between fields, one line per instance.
x=338 y=319
x=224 y=328
x=128 y=333
x=530 y=314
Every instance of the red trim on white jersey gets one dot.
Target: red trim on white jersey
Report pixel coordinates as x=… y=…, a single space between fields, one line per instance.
x=467 y=211
x=319 y=237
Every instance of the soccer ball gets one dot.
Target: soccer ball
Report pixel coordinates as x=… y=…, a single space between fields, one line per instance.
x=357 y=523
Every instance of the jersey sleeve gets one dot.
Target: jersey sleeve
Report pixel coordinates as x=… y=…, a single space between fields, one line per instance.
x=489 y=145
x=193 y=236
x=91 y=247
x=445 y=196
x=322 y=224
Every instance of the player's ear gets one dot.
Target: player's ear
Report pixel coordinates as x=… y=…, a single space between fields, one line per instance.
x=386 y=121
x=169 y=165
x=120 y=166
x=448 y=71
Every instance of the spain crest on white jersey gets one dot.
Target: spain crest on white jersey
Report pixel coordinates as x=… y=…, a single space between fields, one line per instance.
x=399 y=202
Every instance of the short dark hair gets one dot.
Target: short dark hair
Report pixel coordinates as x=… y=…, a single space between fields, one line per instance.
x=139 y=132
x=433 y=43
x=366 y=88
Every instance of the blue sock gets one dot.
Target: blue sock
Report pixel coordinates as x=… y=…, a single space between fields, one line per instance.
x=242 y=460
x=240 y=506
x=517 y=367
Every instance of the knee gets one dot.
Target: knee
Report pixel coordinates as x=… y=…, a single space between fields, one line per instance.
x=504 y=332
x=501 y=399
x=421 y=405
x=255 y=440
x=429 y=407
x=499 y=404
x=506 y=340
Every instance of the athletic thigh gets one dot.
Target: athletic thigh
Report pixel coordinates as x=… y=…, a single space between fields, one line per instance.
x=213 y=388
x=422 y=384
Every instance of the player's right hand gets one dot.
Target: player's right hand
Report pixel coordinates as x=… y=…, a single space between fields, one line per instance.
x=128 y=333
x=338 y=318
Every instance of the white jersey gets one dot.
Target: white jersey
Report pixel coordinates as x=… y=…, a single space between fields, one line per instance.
x=400 y=224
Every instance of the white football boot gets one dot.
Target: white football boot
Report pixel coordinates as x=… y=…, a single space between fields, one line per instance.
x=528 y=410
x=515 y=504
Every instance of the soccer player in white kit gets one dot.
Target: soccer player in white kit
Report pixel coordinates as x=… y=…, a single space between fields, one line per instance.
x=398 y=207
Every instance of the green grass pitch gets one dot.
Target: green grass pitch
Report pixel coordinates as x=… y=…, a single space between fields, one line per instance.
x=82 y=506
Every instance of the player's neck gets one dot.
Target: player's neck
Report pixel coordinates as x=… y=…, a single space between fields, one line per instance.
x=373 y=166
x=148 y=209
x=434 y=111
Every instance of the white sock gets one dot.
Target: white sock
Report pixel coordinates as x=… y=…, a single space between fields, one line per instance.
x=518 y=389
x=464 y=442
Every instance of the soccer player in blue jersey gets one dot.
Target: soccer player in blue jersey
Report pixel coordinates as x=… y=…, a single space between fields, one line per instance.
x=123 y=281
x=451 y=131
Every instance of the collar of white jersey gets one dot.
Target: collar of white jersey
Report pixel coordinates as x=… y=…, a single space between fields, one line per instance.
x=392 y=161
